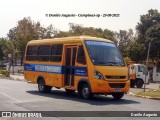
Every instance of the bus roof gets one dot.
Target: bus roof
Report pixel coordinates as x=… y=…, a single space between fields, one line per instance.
x=68 y=39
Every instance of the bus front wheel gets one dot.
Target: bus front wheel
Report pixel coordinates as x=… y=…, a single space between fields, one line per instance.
x=117 y=96
x=85 y=91
x=42 y=87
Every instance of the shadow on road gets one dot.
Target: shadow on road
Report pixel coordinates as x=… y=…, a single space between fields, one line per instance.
x=96 y=100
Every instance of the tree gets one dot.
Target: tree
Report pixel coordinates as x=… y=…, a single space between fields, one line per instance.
x=135 y=51
x=125 y=39
x=148 y=30
x=76 y=30
x=27 y=30
x=2 y=42
x=153 y=35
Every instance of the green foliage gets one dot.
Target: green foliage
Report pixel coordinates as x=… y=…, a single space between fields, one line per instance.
x=76 y=30
x=9 y=48
x=27 y=30
x=5 y=72
x=127 y=59
x=148 y=31
x=152 y=93
x=125 y=39
x=2 y=42
x=136 y=51
x=19 y=71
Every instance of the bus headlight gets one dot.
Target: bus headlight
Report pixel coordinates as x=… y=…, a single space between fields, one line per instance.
x=98 y=75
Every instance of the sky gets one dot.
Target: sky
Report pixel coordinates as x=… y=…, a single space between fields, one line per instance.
x=129 y=11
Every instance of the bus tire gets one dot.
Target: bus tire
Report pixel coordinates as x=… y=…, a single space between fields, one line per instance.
x=117 y=96
x=85 y=91
x=139 y=83
x=42 y=87
x=68 y=91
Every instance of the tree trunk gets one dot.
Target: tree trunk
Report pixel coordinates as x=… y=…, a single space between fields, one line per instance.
x=22 y=60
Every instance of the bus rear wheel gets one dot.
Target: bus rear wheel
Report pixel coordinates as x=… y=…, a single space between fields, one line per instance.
x=42 y=87
x=117 y=96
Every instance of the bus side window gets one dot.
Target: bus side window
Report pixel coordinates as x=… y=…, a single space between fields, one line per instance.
x=44 y=52
x=81 y=55
x=56 y=53
x=32 y=53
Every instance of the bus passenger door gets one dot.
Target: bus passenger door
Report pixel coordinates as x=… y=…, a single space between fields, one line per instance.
x=70 y=57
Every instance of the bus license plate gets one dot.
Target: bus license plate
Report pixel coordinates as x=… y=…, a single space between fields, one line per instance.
x=117 y=90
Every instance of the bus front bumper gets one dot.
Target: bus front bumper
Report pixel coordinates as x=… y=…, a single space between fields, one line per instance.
x=103 y=86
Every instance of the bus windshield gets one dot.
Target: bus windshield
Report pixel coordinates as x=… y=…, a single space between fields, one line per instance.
x=104 y=53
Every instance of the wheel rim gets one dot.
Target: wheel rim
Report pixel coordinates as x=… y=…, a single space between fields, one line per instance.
x=41 y=86
x=85 y=92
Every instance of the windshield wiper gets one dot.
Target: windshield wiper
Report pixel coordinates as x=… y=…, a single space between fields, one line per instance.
x=116 y=63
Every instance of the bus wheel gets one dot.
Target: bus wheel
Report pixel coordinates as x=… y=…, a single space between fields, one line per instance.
x=42 y=87
x=117 y=96
x=69 y=91
x=139 y=83
x=85 y=91
x=132 y=83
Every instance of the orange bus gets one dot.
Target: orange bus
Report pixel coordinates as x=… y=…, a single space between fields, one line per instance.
x=88 y=65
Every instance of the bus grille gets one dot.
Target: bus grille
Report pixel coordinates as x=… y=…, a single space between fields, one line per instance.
x=115 y=77
x=115 y=85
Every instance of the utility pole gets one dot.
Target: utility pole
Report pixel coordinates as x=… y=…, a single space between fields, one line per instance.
x=148 y=53
x=149 y=46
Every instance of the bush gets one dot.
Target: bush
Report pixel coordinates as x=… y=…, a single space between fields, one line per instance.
x=19 y=71
x=5 y=72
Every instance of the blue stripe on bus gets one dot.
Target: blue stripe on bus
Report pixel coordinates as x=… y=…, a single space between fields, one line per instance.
x=78 y=71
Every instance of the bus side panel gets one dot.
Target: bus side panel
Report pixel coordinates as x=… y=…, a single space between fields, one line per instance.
x=30 y=76
x=77 y=79
x=51 y=79
x=55 y=80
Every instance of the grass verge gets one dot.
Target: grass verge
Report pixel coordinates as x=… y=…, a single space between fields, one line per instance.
x=151 y=93
x=4 y=77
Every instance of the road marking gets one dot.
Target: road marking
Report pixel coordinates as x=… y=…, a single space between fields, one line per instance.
x=10 y=97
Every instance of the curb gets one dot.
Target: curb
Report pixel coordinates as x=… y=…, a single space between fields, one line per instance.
x=17 y=79
x=148 y=97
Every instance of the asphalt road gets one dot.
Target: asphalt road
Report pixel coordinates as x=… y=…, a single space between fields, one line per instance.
x=23 y=96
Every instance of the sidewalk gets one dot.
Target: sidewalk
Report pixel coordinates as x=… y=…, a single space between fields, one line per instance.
x=17 y=77
x=151 y=91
